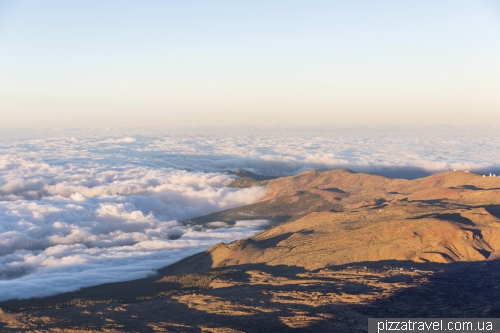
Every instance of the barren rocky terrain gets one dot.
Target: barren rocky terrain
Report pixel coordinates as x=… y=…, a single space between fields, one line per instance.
x=342 y=247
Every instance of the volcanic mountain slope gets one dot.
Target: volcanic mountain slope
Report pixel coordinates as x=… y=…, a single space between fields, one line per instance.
x=344 y=246
x=338 y=217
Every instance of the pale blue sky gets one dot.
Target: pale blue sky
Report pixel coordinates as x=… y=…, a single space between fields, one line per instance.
x=128 y=63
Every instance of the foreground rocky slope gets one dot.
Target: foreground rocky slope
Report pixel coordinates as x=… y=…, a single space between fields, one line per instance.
x=345 y=246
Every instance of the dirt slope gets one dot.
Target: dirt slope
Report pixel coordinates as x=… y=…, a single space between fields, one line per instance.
x=447 y=217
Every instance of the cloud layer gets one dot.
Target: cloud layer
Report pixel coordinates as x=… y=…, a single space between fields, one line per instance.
x=87 y=207
x=63 y=227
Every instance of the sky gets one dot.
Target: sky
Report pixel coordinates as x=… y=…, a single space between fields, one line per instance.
x=143 y=63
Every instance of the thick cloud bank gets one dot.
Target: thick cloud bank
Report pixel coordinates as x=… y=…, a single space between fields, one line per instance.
x=84 y=207
x=63 y=227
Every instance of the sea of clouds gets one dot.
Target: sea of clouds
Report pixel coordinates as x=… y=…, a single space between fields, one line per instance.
x=82 y=207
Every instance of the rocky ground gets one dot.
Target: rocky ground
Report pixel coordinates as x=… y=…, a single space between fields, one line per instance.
x=259 y=298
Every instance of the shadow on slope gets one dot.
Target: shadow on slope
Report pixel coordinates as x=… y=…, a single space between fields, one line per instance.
x=453 y=217
x=262 y=298
x=493 y=210
x=456 y=290
x=281 y=209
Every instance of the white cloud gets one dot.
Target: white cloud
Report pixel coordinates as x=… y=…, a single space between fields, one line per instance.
x=254 y=224
x=59 y=225
x=217 y=224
